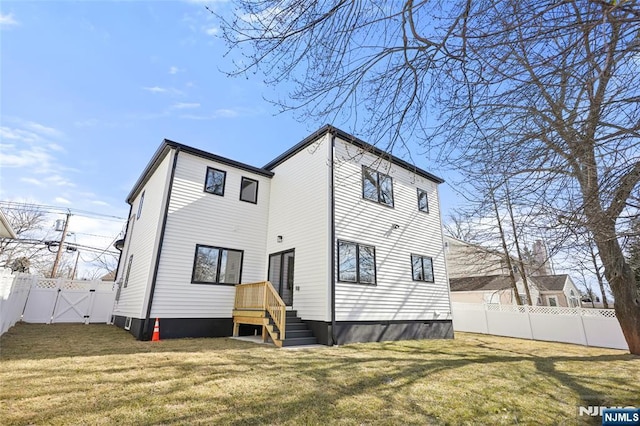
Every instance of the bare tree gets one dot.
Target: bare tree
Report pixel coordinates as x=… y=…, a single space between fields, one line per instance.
x=554 y=86
x=26 y=252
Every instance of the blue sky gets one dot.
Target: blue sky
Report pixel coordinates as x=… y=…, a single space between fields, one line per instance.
x=88 y=90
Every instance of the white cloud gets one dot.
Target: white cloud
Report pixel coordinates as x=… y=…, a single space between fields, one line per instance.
x=86 y=123
x=55 y=147
x=43 y=130
x=32 y=181
x=100 y=203
x=185 y=105
x=59 y=181
x=60 y=200
x=18 y=135
x=213 y=31
x=8 y=21
x=175 y=70
x=219 y=113
x=32 y=157
x=167 y=90
x=155 y=89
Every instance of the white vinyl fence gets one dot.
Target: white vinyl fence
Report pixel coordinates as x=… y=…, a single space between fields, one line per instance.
x=589 y=327
x=53 y=300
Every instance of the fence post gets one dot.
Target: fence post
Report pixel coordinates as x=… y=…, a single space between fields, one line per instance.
x=584 y=329
x=486 y=318
x=528 y=312
x=92 y=298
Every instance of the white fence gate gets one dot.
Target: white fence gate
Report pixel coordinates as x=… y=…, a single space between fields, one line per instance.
x=53 y=300
x=589 y=327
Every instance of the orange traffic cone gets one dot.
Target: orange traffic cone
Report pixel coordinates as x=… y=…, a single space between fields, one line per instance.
x=156 y=331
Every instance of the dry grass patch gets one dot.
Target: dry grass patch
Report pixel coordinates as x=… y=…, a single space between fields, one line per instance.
x=98 y=374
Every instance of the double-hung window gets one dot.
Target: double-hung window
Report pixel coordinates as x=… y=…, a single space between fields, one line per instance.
x=422 y=268
x=377 y=186
x=216 y=265
x=356 y=263
x=423 y=201
x=214 y=181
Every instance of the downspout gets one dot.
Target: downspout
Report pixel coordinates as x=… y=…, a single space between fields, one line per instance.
x=160 y=242
x=333 y=240
x=126 y=231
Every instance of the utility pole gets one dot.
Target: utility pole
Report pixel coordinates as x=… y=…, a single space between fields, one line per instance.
x=75 y=267
x=54 y=270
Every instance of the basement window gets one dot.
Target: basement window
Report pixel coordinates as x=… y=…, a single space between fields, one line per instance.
x=216 y=265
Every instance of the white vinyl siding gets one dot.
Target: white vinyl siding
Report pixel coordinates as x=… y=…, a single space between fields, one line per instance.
x=197 y=217
x=141 y=243
x=396 y=233
x=300 y=213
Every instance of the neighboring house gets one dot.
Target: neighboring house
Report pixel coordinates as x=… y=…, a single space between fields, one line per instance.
x=480 y=275
x=558 y=290
x=471 y=260
x=349 y=236
x=6 y=231
x=491 y=289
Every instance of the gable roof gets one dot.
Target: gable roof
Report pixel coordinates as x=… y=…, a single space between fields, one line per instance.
x=489 y=282
x=167 y=145
x=551 y=282
x=327 y=128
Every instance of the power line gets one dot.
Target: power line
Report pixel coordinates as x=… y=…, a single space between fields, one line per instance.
x=57 y=210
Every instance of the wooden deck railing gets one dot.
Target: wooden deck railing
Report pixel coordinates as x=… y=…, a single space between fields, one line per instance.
x=262 y=296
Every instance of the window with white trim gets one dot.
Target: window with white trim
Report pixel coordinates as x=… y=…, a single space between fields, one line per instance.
x=422 y=268
x=216 y=265
x=356 y=263
x=377 y=186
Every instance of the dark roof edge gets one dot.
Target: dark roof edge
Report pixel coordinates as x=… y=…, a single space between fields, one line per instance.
x=219 y=159
x=327 y=128
x=168 y=144
x=155 y=161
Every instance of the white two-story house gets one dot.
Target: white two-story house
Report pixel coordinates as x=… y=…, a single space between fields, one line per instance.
x=349 y=236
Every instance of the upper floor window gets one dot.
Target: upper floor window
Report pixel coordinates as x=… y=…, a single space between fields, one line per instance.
x=423 y=201
x=356 y=263
x=422 y=267
x=216 y=265
x=377 y=186
x=249 y=190
x=214 y=181
x=140 y=205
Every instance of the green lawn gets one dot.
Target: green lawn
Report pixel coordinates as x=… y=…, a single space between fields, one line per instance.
x=98 y=374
